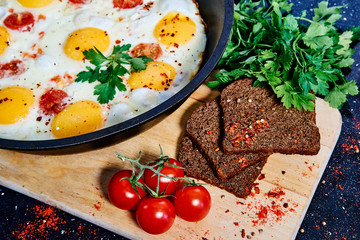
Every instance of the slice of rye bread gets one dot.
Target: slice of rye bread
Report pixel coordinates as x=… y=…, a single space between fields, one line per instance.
x=204 y=129
x=196 y=166
x=255 y=121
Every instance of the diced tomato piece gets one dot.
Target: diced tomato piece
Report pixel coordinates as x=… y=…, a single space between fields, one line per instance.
x=124 y=4
x=23 y=21
x=62 y=81
x=52 y=102
x=15 y=67
x=78 y=1
x=151 y=50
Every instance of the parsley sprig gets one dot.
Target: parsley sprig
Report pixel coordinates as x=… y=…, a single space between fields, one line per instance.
x=109 y=70
x=298 y=57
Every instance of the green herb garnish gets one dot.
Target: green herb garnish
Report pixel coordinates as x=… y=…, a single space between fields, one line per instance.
x=108 y=70
x=297 y=60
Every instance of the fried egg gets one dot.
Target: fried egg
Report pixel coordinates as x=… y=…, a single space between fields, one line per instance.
x=41 y=53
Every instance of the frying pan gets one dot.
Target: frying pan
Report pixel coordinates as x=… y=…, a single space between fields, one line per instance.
x=218 y=15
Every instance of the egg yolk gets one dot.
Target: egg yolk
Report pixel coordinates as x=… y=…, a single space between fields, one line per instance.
x=15 y=104
x=78 y=118
x=157 y=76
x=85 y=39
x=35 y=3
x=174 y=29
x=4 y=39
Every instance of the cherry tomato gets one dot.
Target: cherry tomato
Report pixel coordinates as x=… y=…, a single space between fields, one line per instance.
x=15 y=67
x=151 y=50
x=123 y=4
x=192 y=203
x=151 y=180
x=121 y=193
x=52 y=102
x=155 y=215
x=23 y=21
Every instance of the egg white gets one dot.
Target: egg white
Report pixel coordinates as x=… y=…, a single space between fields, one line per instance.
x=132 y=26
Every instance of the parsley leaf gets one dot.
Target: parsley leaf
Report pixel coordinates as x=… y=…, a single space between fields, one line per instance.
x=324 y=14
x=109 y=70
x=298 y=61
x=316 y=37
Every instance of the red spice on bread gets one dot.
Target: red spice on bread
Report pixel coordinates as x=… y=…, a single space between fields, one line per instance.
x=204 y=129
x=256 y=122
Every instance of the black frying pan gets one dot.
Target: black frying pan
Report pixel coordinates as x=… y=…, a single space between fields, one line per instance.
x=218 y=15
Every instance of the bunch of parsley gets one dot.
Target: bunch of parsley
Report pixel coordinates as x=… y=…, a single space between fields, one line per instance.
x=298 y=57
x=109 y=70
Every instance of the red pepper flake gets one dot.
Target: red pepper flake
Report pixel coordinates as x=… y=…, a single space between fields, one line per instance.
x=260 y=125
x=98 y=206
x=227 y=210
x=270 y=210
x=339 y=186
x=243 y=233
x=236 y=224
x=45 y=219
x=246 y=135
x=148 y=5
x=241 y=160
x=263 y=212
x=209 y=132
x=276 y=193
x=262 y=176
x=41 y=34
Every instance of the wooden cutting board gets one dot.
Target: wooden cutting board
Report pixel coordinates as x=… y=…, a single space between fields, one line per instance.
x=76 y=182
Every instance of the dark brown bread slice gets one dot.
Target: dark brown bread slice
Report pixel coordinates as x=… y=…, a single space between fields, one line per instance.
x=255 y=121
x=204 y=129
x=197 y=166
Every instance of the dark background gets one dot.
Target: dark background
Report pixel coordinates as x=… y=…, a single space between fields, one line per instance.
x=334 y=212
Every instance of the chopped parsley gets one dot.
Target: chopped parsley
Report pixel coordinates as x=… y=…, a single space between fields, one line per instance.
x=298 y=57
x=109 y=70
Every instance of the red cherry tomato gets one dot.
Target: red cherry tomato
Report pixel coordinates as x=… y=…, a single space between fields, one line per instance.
x=151 y=50
x=155 y=215
x=151 y=180
x=121 y=193
x=192 y=203
x=123 y=4
x=23 y=21
x=15 y=67
x=52 y=102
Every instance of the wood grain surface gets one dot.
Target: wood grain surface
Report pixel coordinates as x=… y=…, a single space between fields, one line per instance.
x=76 y=182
